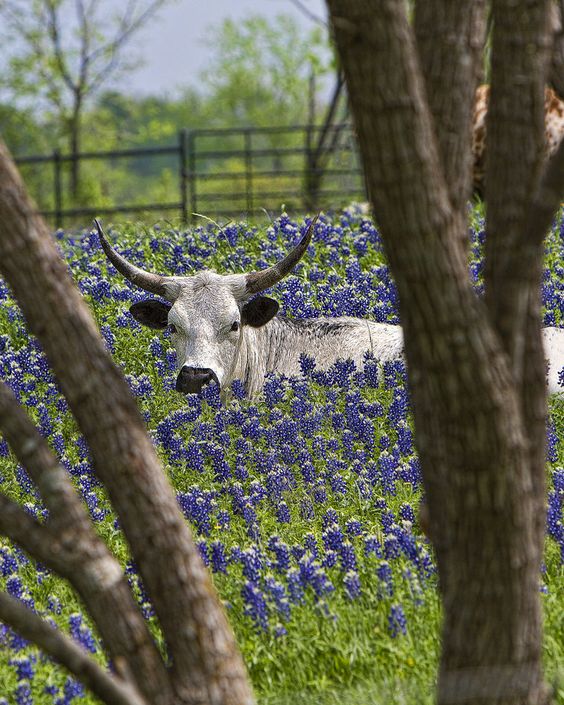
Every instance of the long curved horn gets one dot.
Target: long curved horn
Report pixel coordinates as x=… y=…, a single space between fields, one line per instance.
x=155 y=283
x=259 y=281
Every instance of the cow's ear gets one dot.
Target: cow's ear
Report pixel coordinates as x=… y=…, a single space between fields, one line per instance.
x=259 y=311
x=151 y=313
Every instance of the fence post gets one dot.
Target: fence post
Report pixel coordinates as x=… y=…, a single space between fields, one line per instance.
x=248 y=172
x=192 y=174
x=182 y=175
x=58 y=189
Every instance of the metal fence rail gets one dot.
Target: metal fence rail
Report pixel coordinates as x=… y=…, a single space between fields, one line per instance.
x=220 y=172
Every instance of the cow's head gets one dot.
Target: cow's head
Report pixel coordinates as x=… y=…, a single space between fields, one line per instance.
x=206 y=313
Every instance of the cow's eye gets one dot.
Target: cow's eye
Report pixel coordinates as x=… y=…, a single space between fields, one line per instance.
x=235 y=326
x=171 y=328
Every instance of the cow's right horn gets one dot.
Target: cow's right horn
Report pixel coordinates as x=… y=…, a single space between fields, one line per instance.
x=155 y=283
x=259 y=281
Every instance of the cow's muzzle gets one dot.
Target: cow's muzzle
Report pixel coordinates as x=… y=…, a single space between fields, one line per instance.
x=190 y=380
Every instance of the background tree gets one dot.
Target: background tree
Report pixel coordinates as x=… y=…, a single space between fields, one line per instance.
x=260 y=72
x=63 y=52
x=202 y=663
x=476 y=366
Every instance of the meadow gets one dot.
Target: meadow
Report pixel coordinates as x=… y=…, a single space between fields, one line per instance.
x=303 y=502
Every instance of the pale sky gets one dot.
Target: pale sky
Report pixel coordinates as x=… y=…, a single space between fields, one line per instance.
x=174 y=49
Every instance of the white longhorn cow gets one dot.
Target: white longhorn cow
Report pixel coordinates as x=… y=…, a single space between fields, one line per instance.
x=223 y=331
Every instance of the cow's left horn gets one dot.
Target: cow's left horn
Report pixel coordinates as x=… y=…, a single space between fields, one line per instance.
x=259 y=281
x=155 y=283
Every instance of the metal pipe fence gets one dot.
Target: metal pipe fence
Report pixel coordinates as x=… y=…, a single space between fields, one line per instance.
x=219 y=172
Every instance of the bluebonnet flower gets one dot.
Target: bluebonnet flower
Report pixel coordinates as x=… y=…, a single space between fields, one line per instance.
x=397 y=623
x=330 y=517
x=72 y=689
x=14 y=586
x=223 y=519
x=307 y=364
x=310 y=543
x=295 y=588
x=330 y=558
x=319 y=495
x=109 y=337
x=252 y=562
x=8 y=563
x=384 y=573
x=238 y=389
x=551 y=443
x=280 y=631
x=347 y=556
x=333 y=537
x=54 y=604
x=81 y=633
x=24 y=667
x=282 y=552
x=387 y=467
x=406 y=512
x=210 y=393
x=218 y=557
x=278 y=594
x=351 y=581
x=23 y=694
x=372 y=546
x=353 y=527
x=204 y=552
x=283 y=513
x=307 y=510
x=273 y=390
x=255 y=605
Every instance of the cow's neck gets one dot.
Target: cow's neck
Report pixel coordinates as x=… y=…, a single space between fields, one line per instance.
x=264 y=350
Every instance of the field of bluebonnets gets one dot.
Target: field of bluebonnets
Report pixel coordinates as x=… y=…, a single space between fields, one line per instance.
x=303 y=502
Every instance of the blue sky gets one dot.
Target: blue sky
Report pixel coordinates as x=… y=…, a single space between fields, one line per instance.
x=173 y=47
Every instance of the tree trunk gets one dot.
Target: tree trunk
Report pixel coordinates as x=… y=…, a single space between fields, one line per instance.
x=482 y=480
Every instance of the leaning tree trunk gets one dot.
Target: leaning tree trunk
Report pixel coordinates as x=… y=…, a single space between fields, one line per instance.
x=475 y=367
x=205 y=664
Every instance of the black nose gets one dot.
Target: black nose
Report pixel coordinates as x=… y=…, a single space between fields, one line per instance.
x=190 y=380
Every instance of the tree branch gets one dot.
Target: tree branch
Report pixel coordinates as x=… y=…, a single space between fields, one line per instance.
x=19 y=526
x=516 y=133
x=515 y=127
x=309 y=14
x=69 y=545
x=127 y=27
x=54 y=34
x=450 y=39
x=547 y=198
x=109 y=688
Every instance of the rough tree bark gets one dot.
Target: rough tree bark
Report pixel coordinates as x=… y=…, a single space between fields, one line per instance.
x=205 y=664
x=475 y=367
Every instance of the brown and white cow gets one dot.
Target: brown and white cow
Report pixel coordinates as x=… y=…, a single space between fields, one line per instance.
x=554 y=129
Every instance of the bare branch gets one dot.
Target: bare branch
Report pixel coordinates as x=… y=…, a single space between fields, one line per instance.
x=308 y=13
x=84 y=24
x=109 y=688
x=55 y=35
x=127 y=27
